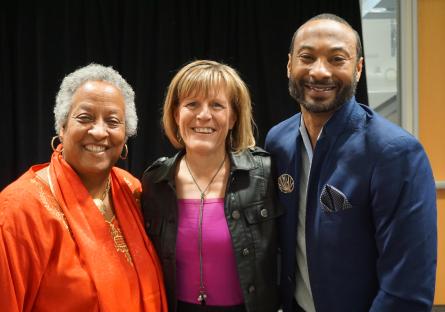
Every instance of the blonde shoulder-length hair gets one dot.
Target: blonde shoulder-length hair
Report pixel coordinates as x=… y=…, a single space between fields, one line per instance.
x=202 y=78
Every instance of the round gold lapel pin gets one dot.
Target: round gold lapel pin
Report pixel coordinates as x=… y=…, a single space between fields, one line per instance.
x=285 y=183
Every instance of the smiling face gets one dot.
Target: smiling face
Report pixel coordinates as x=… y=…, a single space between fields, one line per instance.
x=94 y=134
x=204 y=122
x=323 y=69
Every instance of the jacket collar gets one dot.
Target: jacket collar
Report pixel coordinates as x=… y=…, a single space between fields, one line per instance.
x=238 y=161
x=347 y=117
x=242 y=161
x=166 y=171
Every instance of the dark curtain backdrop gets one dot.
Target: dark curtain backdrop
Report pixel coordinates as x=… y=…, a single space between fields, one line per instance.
x=146 y=41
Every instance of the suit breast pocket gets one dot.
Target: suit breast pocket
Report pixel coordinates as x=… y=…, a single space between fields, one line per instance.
x=333 y=200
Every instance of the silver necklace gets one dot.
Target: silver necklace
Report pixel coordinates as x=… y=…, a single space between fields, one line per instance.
x=202 y=291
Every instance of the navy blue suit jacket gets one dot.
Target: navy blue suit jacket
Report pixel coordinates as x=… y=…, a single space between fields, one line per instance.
x=377 y=253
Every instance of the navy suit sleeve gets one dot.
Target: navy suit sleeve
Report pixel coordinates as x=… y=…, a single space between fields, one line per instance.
x=267 y=142
x=404 y=211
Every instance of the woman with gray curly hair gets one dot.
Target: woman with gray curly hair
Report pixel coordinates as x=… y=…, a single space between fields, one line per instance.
x=71 y=230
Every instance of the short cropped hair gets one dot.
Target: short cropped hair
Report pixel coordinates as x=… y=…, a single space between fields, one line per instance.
x=94 y=72
x=338 y=19
x=201 y=78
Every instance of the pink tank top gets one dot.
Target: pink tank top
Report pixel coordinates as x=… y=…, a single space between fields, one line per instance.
x=219 y=266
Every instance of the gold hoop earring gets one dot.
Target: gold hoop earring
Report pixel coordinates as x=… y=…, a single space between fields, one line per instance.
x=52 y=144
x=125 y=150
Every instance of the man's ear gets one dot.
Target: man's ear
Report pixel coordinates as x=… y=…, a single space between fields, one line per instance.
x=358 y=69
x=289 y=64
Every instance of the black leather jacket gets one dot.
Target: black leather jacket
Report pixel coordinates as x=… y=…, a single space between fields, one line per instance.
x=251 y=212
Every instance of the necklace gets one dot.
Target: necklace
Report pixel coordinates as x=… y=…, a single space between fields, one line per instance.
x=108 y=213
x=202 y=291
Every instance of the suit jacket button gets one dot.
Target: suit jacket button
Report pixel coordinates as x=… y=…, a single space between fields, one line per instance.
x=246 y=251
x=236 y=215
x=251 y=289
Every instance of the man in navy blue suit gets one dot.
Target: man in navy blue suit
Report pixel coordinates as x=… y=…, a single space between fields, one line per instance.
x=360 y=230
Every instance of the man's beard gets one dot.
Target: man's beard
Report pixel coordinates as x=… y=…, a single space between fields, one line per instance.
x=345 y=93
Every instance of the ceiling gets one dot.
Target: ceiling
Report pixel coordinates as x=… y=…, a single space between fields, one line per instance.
x=379 y=9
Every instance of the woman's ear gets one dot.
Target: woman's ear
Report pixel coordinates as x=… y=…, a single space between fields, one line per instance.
x=61 y=134
x=176 y=115
x=233 y=119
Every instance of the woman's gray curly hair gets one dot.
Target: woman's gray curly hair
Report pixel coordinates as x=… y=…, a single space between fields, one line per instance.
x=94 y=72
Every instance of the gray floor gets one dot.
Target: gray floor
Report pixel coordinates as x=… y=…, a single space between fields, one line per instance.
x=440 y=308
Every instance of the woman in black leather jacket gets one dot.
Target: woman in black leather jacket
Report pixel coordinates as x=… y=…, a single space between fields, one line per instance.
x=210 y=210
